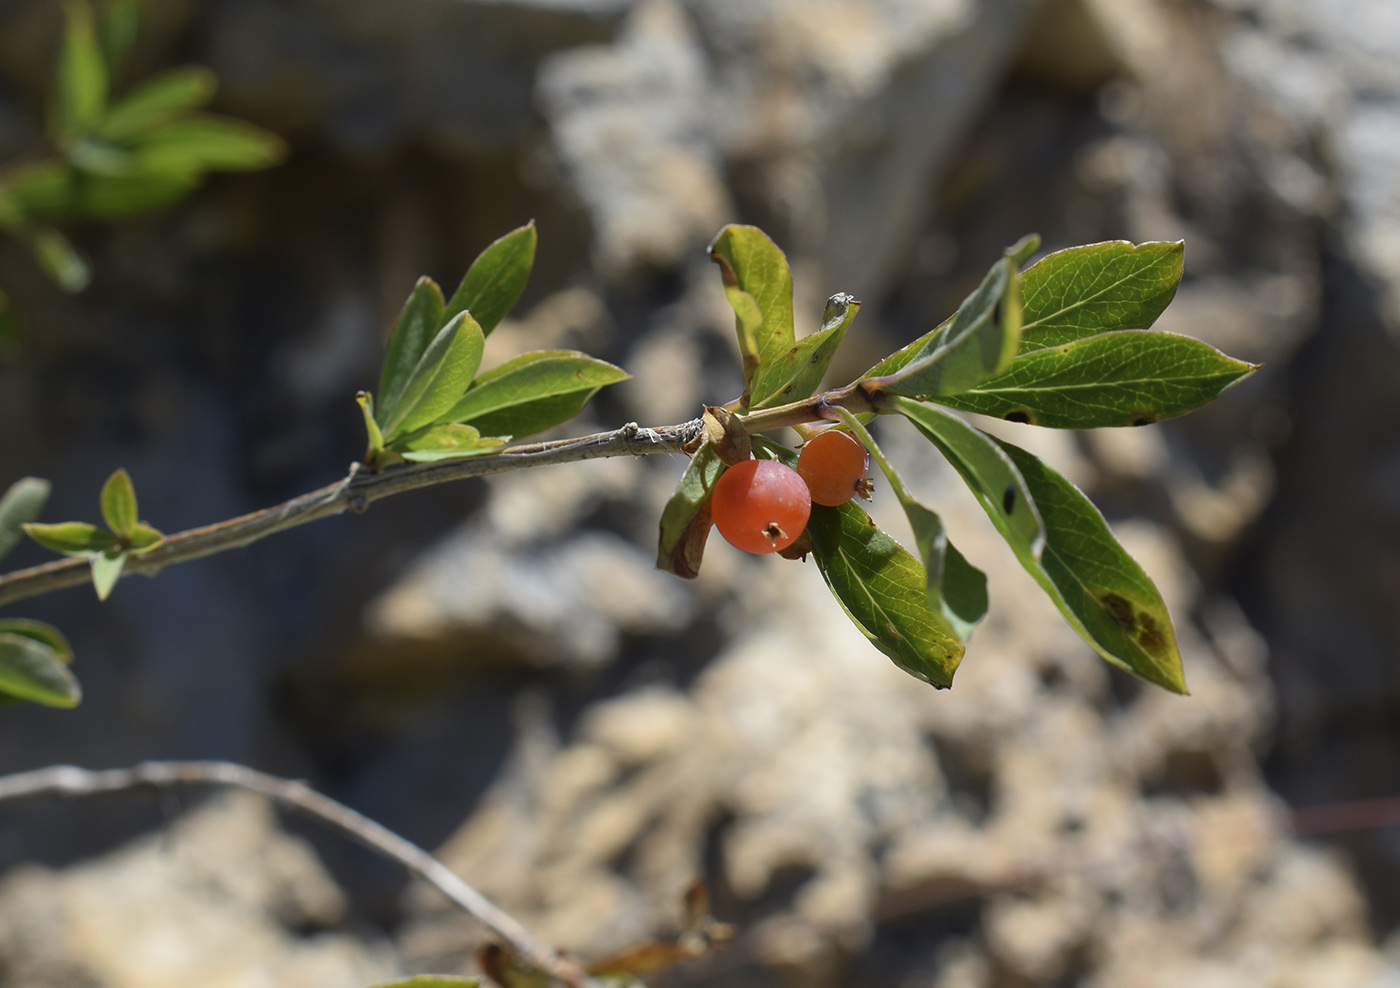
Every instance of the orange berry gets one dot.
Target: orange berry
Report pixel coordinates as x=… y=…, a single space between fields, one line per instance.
x=833 y=463
x=760 y=506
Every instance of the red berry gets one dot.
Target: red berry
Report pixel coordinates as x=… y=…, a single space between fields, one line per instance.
x=760 y=506
x=833 y=463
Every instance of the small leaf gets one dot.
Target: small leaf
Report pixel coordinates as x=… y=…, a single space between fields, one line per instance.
x=119 y=26
x=96 y=157
x=72 y=538
x=1084 y=291
x=144 y=538
x=375 y=438
x=796 y=374
x=45 y=634
x=106 y=570
x=31 y=670
x=977 y=344
x=516 y=397
x=53 y=190
x=42 y=189
x=82 y=76
x=159 y=101
x=686 y=520
x=21 y=503
x=759 y=287
x=419 y=321
x=445 y=442
x=202 y=142
x=1131 y=377
x=59 y=260
x=883 y=590
x=1101 y=590
x=118 y=500
x=987 y=471
x=492 y=285
x=439 y=378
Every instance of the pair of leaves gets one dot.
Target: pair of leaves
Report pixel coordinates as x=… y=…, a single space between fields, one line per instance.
x=434 y=406
x=778 y=368
x=1086 y=360
x=34 y=656
x=106 y=551
x=1064 y=543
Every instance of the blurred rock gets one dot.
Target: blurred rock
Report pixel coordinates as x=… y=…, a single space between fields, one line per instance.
x=513 y=580
x=802 y=752
x=221 y=898
x=628 y=125
x=458 y=74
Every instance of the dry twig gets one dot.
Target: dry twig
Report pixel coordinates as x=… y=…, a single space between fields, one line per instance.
x=68 y=780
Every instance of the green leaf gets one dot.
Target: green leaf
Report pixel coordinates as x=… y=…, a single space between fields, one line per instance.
x=686 y=520
x=144 y=538
x=521 y=389
x=945 y=570
x=159 y=101
x=796 y=374
x=978 y=343
x=439 y=378
x=758 y=285
x=59 y=260
x=106 y=570
x=202 y=142
x=987 y=471
x=964 y=597
x=118 y=500
x=31 y=670
x=45 y=634
x=100 y=158
x=1101 y=590
x=119 y=26
x=21 y=503
x=1084 y=291
x=82 y=76
x=72 y=538
x=446 y=442
x=902 y=357
x=419 y=321
x=44 y=188
x=374 y=438
x=53 y=190
x=905 y=355
x=882 y=589
x=1132 y=377
x=431 y=981
x=492 y=285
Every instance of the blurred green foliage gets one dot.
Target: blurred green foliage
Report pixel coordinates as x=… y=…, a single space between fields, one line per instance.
x=109 y=155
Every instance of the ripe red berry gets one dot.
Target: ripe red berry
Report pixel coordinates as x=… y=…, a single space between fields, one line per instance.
x=760 y=506
x=833 y=463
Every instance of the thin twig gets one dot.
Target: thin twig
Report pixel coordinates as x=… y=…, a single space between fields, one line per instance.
x=357 y=491
x=68 y=780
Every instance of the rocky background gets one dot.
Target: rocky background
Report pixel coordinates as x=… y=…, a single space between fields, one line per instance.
x=495 y=669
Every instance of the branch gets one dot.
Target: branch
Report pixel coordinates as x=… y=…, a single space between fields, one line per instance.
x=354 y=493
x=69 y=780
